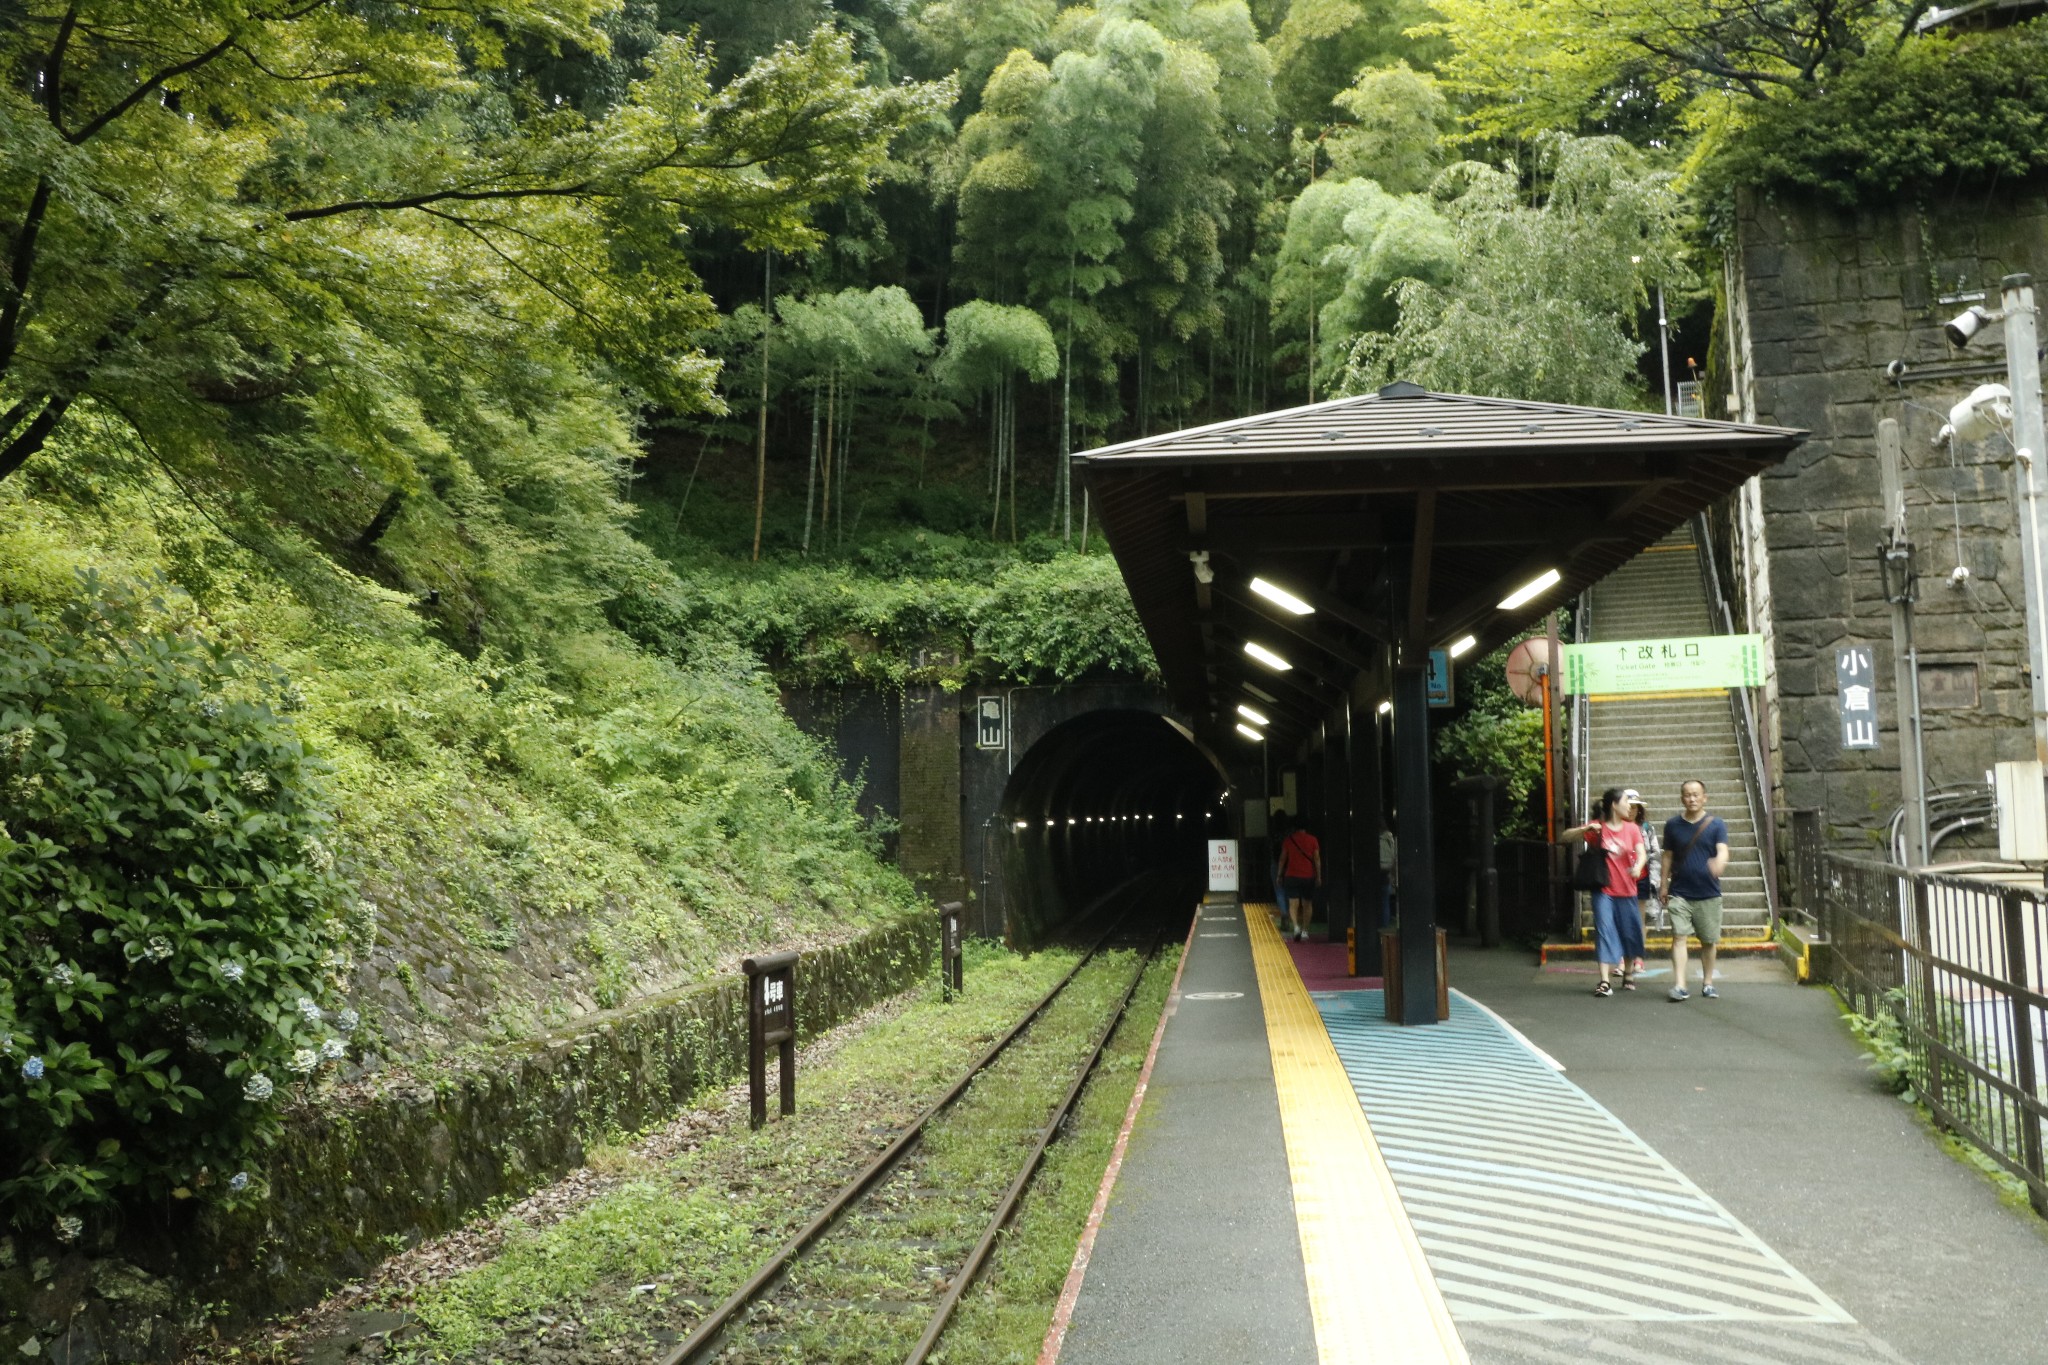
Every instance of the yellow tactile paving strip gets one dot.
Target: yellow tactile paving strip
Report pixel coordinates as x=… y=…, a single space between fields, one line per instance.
x=1369 y=1288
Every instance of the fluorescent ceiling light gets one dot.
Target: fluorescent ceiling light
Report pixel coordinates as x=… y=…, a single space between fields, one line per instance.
x=1266 y=657
x=1385 y=707
x=1255 y=717
x=1461 y=646
x=1249 y=733
x=1281 y=598
x=1262 y=694
x=1533 y=588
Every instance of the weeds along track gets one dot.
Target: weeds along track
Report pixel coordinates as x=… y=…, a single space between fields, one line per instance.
x=876 y=1274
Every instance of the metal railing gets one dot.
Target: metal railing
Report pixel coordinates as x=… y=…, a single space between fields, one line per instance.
x=1755 y=772
x=1957 y=964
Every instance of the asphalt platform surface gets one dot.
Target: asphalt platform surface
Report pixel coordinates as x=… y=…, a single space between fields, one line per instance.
x=1206 y=1172
x=1765 y=1100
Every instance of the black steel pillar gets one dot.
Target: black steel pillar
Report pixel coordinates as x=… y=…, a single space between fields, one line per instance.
x=1336 y=820
x=1368 y=818
x=1417 y=910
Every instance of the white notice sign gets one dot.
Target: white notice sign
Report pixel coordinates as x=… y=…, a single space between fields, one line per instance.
x=1223 y=864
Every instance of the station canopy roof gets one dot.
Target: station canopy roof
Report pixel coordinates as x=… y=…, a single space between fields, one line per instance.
x=1403 y=518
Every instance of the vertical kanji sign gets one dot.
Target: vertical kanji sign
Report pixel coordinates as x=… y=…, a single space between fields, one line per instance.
x=1856 y=692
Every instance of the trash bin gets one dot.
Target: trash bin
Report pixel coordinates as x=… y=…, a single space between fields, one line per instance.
x=1390 y=973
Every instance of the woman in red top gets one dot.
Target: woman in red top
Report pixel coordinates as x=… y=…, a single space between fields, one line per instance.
x=1612 y=829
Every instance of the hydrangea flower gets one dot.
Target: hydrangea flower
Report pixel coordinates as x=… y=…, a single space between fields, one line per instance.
x=68 y=1227
x=291 y=699
x=195 y=1040
x=157 y=949
x=61 y=976
x=211 y=708
x=231 y=972
x=239 y=1181
x=254 y=783
x=213 y=819
x=309 y=1011
x=32 y=1069
x=19 y=740
x=318 y=855
x=333 y=1050
x=347 y=1020
x=303 y=1061
x=257 y=1088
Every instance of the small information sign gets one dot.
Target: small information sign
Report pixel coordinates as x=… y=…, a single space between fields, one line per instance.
x=1223 y=865
x=1856 y=694
x=1680 y=665
x=771 y=1023
x=1437 y=678
x=989 y=730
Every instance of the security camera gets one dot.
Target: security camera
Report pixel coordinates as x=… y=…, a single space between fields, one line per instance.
x=1895 y=371
x=1987 y=409
x=1203 y=573
x=1966 y=325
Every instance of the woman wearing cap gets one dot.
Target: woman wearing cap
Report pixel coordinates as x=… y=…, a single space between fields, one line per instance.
x=1612 y=830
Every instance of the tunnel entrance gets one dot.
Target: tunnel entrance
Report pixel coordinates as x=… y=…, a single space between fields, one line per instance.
x=1101 y=799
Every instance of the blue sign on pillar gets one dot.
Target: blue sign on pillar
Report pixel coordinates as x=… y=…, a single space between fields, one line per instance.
x=1437 y=683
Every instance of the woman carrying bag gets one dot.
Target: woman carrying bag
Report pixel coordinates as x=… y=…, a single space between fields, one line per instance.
x=1614 y=857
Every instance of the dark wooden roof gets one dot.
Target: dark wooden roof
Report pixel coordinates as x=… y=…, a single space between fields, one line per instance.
x=1405 y=516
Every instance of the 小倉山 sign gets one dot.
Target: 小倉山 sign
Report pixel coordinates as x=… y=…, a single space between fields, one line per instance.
x=1682 y=665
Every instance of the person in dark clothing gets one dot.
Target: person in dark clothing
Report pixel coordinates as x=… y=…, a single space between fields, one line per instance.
x=1301 y=872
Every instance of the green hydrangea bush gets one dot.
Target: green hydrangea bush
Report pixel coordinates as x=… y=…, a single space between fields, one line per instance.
x=169 y=946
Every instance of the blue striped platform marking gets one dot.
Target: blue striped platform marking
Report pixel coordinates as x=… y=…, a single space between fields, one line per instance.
x=1531 y=1200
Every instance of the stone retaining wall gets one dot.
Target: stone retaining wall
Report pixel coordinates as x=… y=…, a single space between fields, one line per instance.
x=349 y=1187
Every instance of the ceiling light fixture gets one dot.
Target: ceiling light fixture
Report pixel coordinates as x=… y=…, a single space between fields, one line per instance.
x=1249 y=733
x=1254 y=716
x=1459 y=647
x=1266 y=656
x=1281 y=598
x=1262 y=694
x=1533 y=588
x=1386 y=707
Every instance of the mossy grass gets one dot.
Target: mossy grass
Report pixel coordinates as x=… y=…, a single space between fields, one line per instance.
x=693 y=1229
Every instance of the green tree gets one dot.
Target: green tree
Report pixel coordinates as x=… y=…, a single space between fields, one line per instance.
x=1321 y=45
x=370 y=218
x=1399 y=120
x=1533 y=65
x=987 y=346
x=1543 y=300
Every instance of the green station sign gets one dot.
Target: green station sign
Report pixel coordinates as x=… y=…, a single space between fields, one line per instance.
x=1704 y=661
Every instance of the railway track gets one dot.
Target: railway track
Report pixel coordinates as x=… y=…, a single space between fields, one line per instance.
x=886 y=1247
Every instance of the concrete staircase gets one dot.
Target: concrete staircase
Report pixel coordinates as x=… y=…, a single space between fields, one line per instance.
x=1653 y=743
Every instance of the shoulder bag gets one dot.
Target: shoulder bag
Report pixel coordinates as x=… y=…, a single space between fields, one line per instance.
x=1591 y=872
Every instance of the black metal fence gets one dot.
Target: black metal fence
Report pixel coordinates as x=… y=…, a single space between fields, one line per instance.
x=1958 y=963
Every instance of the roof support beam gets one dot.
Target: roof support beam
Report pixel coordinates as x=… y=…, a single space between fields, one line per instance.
x=1418 y=565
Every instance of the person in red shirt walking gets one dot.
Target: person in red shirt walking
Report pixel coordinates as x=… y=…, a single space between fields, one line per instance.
x=1301 y=872
x=1613 y=830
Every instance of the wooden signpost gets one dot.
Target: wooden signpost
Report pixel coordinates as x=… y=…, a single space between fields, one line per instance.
x=771 y=1021
x=952 y=968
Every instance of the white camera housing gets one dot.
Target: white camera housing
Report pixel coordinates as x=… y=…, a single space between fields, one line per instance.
x=1988 y=409
x=1965 y=326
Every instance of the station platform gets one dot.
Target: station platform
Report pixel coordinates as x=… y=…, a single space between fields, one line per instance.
x=1545 y=1176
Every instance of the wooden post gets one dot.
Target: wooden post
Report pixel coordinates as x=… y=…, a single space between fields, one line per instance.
x=771 y=1022
x=952 y=968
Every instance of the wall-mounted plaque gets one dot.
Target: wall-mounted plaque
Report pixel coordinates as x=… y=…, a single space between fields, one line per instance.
x=1948 y=687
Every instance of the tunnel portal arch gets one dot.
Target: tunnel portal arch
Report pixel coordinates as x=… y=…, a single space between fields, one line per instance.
x=1100 y=798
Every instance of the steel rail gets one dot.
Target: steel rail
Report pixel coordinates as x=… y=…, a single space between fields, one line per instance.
x=719 y=1318
x=964 y=1277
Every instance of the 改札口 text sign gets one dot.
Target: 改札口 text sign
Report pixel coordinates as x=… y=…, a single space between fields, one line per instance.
x=1665 y=665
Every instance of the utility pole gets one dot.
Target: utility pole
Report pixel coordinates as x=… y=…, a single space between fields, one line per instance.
x=1664 y=350
x=2023 y=377
x=1895 y=567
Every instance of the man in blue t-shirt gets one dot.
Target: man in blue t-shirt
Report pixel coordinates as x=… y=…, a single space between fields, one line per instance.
x=1695 y=855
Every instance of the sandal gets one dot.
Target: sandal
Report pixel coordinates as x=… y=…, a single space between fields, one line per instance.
x=1603 y=989
x=1628 y=981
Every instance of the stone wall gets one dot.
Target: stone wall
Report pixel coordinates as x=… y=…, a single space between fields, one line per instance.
x=348 y=1185
x=1820 y=301
x=928 y=765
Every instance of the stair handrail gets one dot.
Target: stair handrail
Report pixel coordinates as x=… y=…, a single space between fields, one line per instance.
x=1755 y=787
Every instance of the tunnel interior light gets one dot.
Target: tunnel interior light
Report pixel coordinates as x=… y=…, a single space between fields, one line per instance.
x=1281 y=598
x=1023 y=825
x=1535 y=587
x=1266 y=656
x=1462 y=646
x=1248 y=732
x=1262 y=694
x=1386 y=707
x=1253 y=715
